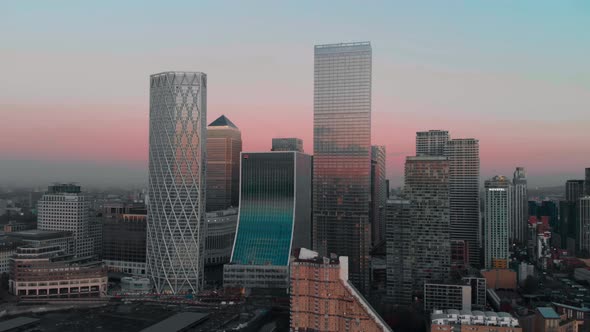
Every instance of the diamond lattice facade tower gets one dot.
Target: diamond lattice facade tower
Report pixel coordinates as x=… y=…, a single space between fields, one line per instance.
x=224 y=144
x=176 y=205
x=498 y=213
x=463 y=157
x=342 y=154
x=520 y=207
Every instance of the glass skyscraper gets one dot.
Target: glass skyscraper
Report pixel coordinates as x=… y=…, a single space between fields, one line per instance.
x=342 y=154
x=275 y=205
x=378 y=193
x=498 y=212
x=224 y=144
x=176 y=205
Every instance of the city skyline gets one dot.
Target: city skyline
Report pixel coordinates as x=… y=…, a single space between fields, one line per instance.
x=504 y=87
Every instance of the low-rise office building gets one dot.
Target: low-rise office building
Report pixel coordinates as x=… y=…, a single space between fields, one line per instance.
x=447 y=296
x=453 y=320
x=219 y=236
x=48 y=272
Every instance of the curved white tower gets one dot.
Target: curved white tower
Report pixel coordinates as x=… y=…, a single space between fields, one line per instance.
x=176 y=208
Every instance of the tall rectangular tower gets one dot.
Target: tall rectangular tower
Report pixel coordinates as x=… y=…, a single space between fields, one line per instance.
x=574 y=189
x=463 y=157
x=378 y=193
x=587 y=182
x=224 y=144
x=427 y=189
x=498 y=212
x=177 y=170
x=520 y=207
x=342 y=154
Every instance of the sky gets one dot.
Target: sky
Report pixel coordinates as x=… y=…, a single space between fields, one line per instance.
x=74 y=96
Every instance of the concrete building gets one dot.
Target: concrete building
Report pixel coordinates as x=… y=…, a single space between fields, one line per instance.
x=224 y=144
x=7 y=250
x=478 y=290
x=13 y=226
x=519 y=206
x=324 y=299
x=177 y=171
x=427 y=188
x=447 y=296
x=39 y=238
x=65 y=208
x=124 y=243
x=459 y=255
x=275 y=205
x=464 y=205
x=498 y=212
x=431 y=143
x=584 y=221
x=378 y=193
x=399 y=251
x=287 y=144
x=574 y=189
x=220 y=235
x=451 y=320
x=342 y=154
x=580 y=314
x=135 y=285
x=587 y=182
x=48 y=272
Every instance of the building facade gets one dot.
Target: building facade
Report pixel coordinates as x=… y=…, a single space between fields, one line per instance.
x=65 y=208
x=124 y=243
x=39 y=238
x=287 y=144
x=431 y=143
x=224 y=144
x=342 y=154
x=275 y=205
x=519 y=206
x=220 y=235
x=378 y=193
x=584 y=232
x=47 y=272
x=177 y=170
x=574 y=189
x=473 y=321
x=323 y=299
x=498 y=212
x=427 y=188
x=587 y=182
x=399 y=251
x=464 y=193
x=447 y=296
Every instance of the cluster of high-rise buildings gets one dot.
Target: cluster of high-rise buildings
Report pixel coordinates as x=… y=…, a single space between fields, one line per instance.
x=253 y=213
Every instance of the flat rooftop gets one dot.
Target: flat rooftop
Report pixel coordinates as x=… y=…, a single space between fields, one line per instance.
x=178 y=322
x=19 y=322
x=36 y=234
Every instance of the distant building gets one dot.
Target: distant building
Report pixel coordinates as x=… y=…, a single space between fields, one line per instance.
x=224 y=144
x=275 y=205
x=124 y=243
x=548 y=320
x=574 y=189
x=287 y=144
x=464 y=191
x=65 y=208
x=580 y=314
x=7 y=250
x=399 y=251
x=378 y=193
x=447 y=296
x=342 y=155
x=323 y=298
x=47 y=272
x=498 y=212
x=431 y=143
x=519 y=206
x=478 y=290
x=587 y=182
x=569 y=225
x=473 y=321
x=584 y=236
x=500 y=278
x=459 y=255
x=13 y=226
x=220 y=235
x=427 y=188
